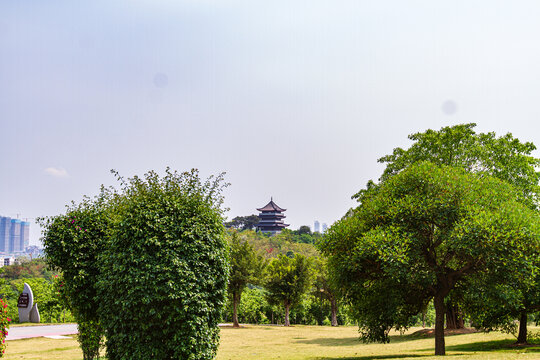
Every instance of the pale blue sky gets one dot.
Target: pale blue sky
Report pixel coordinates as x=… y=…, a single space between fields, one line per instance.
x=293 y=99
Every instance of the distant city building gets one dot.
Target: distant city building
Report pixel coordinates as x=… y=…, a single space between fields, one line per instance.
x=324 y=227
x=271 y=218
x=316 y=227
x=5 y=225
x=14 y=235
x=25 y=235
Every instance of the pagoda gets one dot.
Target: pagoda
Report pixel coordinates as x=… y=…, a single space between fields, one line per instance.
x=271 y=218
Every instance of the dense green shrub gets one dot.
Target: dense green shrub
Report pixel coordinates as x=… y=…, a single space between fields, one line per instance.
x=164 y=269
x=72 y=243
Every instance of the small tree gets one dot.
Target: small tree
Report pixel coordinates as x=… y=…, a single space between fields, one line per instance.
x=246 y=267
x=325 y=289
x=304 y=229
x=288 y=279
x=420 y=233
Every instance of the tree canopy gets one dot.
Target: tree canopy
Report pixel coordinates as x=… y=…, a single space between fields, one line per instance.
x=246 y=268
x=243 y=222
x=418 y=234
x=505 y=158
x=287 y=280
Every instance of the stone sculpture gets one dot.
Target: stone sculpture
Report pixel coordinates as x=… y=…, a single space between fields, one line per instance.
x=25 y=304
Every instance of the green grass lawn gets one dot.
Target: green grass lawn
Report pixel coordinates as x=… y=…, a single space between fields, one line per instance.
x=311 y=342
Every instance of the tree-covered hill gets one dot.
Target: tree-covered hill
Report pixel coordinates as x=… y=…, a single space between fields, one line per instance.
x=287 y=243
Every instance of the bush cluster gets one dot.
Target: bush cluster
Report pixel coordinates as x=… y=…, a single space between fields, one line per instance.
x=145 y=266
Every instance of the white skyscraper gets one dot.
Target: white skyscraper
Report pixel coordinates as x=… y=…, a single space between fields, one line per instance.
x=316 y=227
x=324 y=227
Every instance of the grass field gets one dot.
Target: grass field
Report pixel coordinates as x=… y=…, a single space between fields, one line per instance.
x=311 y=342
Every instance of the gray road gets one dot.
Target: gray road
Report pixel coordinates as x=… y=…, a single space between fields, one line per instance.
x=24 y=332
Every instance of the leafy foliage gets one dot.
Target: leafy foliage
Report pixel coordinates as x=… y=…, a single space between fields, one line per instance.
x=246 y=268
x=36 y=268
x=90 y=338
x=418 y=234
x=505 y=158
x=271 y=246
x=287 y=281
x=72 y=243
x=324 y=288
x=243 y=222
x=164 y=269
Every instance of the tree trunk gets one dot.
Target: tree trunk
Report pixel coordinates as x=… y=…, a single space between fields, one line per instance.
x=522 y=336
x=287 y=322
x=236 y=301
x=454 y=320
x=439 y=325
x=333 y=306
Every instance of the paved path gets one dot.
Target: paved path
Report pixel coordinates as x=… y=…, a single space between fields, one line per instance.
x=24 y=332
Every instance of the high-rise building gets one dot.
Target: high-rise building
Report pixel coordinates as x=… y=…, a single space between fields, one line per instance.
x=25 y=235
x=14 y=235
x=324 y=227
x=316 y=227
x=5 y=225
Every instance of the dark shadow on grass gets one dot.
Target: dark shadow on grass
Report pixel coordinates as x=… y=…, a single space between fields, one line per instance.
x=375 y=357
x=503 y=345
x=353 y=341
x=328 y=341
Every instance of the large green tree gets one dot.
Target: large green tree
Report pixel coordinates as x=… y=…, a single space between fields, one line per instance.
x=417 y=235
x=503 y=157
x=246 y=268
x=287 y=280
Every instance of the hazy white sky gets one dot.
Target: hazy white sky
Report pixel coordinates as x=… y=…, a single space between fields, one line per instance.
x=293 y=99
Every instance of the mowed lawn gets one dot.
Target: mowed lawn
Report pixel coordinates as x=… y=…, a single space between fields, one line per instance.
x=311 y=342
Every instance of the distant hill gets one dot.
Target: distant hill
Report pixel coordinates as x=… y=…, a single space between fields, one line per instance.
x=284 y=243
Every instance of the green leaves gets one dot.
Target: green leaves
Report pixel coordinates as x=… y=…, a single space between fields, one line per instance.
x=287 y=279
x=147 y=265
x=421 y=232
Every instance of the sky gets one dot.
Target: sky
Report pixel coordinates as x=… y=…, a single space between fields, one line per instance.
x=294 y=100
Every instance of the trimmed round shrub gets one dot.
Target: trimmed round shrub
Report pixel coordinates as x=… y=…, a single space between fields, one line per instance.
x=164 y=269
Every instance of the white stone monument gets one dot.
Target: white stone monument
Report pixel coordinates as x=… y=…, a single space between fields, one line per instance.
x=27 y=309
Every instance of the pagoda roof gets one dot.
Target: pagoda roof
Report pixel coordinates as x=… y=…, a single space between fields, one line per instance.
x=271 y=206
